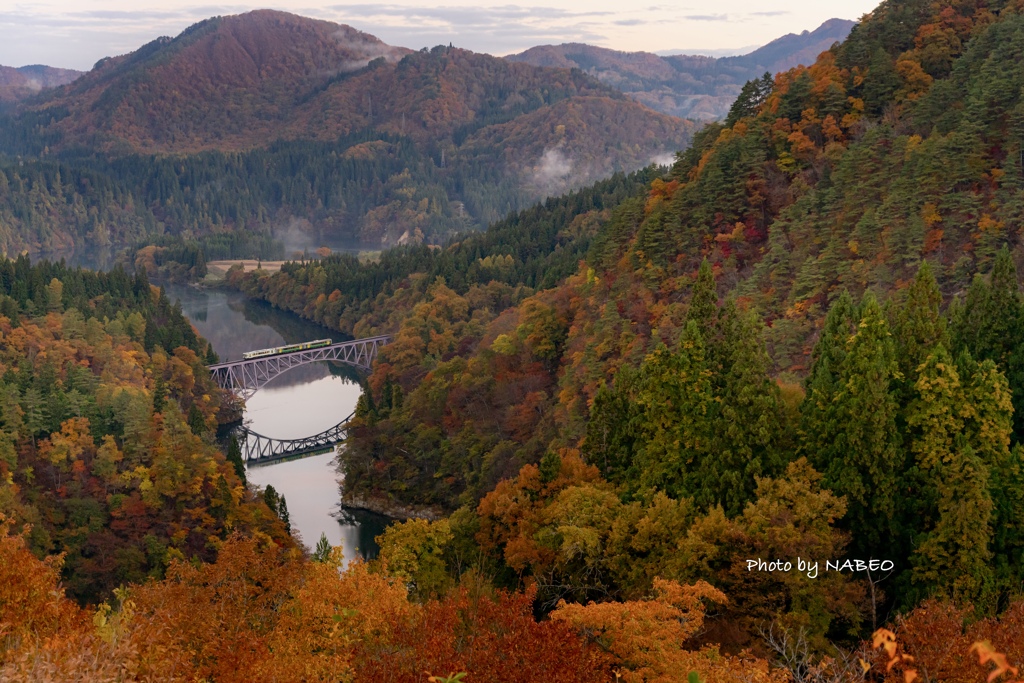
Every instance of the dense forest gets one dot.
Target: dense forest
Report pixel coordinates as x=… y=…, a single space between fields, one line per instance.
x=802 y=342
x=758 y=419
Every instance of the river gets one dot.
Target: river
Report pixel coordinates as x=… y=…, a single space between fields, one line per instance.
x=298 y=403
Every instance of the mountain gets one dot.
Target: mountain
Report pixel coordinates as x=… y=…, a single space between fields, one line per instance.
x=238 y=82
x=691 y=86
x=279 y=123
x=18 y=83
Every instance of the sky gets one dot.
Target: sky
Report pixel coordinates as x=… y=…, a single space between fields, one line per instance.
x=75 y=34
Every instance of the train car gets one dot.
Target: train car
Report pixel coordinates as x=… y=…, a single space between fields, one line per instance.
x=291 y=348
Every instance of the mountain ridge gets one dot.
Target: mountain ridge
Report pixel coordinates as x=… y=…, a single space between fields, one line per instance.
x=387 y=145
x=686 y=85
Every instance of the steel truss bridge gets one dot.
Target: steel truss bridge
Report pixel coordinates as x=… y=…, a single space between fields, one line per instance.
x=257 y=448
x=246 y=377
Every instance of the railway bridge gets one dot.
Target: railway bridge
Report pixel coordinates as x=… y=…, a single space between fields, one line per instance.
x=257 y=448
x=246 y=377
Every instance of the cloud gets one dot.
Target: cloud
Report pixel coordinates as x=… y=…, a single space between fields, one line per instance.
x=777 y=13
x=707 y=17
x=552 y=172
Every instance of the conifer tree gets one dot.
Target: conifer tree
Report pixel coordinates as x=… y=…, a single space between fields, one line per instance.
x=235 y=458
x=856 y=443
x=952 y=556
x=282 y=512
x=918 y=325
x=673 y=401
x=322 y=552
x=988 y=418
x=748 y=429
x=704 y=301
x=988 y=325
x=822 y=384
x=610 y=440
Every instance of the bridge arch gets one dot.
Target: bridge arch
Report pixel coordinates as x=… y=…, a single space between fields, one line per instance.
x=257 y=448
x=246 y=377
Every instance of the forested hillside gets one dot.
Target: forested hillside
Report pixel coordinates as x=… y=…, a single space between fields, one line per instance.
x=311 y=133
x=108 y=416
x=817 y=315
x=757 y=420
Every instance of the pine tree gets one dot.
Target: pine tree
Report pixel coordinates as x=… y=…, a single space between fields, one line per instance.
x=954 y=505
x=817 y=411
x=858 y=447
x=918 y=326
x=748 y=427
x=704 y=301
x=282 y=512
x=235 y=458
x=322 y=553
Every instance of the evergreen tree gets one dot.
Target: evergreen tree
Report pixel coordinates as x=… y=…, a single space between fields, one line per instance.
x=918 y=326
x=159 y=394
x=235 y=458
x=196 y=421
x=704 y=301
x=748 y=427
x=857 y=445
x=988 y=419
x=822 y=383
x=988 y=325
x=953 y=504
x=322 y=553
x=751 y=97
x=611 y=439
x=673 y=425
x=282 y=512
x=272 y=499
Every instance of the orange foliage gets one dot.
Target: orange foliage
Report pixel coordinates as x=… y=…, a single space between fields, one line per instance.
x=645 y=637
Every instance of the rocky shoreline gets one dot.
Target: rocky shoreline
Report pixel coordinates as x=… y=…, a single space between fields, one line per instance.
x=390 y=508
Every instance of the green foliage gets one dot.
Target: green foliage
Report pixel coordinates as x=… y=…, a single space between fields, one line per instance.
x=414 y=551
x=322 y=552
x=751 y=97
x=234 y=457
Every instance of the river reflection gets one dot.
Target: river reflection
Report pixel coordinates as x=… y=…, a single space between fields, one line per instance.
x=298 y=403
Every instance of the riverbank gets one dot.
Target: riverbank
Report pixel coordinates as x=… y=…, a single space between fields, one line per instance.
x=382 y=505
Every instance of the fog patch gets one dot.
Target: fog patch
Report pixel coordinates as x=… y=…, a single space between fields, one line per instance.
x=297 y=236
x=664 y=159
x=368 y=49
x=552 y=172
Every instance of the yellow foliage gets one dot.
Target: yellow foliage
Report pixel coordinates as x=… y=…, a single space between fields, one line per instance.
x=646 y=637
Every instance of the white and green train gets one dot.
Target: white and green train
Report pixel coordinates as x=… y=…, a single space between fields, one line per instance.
x=286 y=349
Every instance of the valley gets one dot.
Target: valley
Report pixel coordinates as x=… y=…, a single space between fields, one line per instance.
x=736 y=401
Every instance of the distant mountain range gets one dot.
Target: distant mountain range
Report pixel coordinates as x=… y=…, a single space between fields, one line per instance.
x=689 y=86
x=19 y=83
x=343 y=136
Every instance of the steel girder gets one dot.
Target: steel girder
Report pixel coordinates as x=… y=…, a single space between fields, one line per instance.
x=246 y=377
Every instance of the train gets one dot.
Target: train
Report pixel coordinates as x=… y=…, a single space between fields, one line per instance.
x=291 y=348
